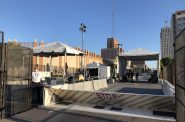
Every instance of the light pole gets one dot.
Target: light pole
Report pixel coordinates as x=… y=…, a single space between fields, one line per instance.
x=2 y=82
x=83 y=30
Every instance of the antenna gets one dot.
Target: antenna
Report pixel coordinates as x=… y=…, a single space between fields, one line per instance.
x=113 y=16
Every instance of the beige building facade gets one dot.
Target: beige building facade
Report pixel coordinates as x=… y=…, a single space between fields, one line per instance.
x=73 y=62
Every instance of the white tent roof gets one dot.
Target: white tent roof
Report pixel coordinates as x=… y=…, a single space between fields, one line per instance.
x=56 y=48
x=140 y=54
x=94 y=65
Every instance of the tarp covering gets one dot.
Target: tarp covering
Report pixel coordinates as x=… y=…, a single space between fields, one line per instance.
x=56 y=48
x=140 y=54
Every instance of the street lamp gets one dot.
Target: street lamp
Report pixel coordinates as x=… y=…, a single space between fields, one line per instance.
x=2 y=68
x=83 y=30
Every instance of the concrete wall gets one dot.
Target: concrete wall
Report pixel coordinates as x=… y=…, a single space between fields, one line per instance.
x=169 y=73
x=180 y=76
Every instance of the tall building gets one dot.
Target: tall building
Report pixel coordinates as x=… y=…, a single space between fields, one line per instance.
x=166 y=43
x=112 y=50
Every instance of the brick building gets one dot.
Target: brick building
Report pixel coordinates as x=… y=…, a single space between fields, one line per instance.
x=112 y=50
x=73 y=62
x=58 y=62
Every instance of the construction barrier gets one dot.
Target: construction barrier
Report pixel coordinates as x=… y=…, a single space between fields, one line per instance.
x=85 y=86
x=153 y=102
x=168 y=88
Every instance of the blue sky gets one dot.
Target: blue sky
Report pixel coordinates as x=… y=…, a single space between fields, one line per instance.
x=137 y=22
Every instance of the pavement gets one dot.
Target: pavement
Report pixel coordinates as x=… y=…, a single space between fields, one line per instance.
x=137 y=88
x=85 y=113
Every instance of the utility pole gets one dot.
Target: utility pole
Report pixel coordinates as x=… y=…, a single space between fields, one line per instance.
x=2 y=82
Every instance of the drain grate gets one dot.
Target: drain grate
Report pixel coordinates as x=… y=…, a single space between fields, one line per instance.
x=99 y=107
x=115 y=108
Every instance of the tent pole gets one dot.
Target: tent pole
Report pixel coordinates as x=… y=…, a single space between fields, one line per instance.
x=50 y=62
x=65 y=67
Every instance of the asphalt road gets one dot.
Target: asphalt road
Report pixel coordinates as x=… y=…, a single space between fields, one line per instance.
x=141 y=91
x=52 y=115
x=137 y=88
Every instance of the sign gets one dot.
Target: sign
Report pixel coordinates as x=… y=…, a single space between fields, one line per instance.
x=106 y=96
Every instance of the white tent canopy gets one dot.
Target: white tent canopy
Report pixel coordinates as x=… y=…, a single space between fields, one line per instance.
x=140 y=54
x=56 y=48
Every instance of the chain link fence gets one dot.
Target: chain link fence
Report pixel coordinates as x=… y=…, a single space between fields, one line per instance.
x=17 y=79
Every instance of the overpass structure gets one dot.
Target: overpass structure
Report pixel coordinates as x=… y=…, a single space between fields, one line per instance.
x=138 y=54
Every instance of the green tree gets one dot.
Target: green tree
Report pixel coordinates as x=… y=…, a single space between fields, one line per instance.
x=163 y=63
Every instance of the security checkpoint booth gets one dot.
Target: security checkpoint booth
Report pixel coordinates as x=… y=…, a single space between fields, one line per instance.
x=138 y=54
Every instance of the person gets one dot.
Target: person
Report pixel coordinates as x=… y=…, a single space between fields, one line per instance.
x=118 y=77
x=137 y=75
x=36 y=86
x=131 y=76
x=127 y=76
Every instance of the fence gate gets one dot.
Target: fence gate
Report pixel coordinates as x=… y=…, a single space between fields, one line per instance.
x=15 y=89
x=180 y=76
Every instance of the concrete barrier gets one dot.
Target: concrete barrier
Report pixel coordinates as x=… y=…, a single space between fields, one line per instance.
x=167 y=87
x=85 y=86
x=145 y=101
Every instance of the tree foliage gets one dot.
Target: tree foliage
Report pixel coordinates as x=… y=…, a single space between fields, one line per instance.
x=166 y=61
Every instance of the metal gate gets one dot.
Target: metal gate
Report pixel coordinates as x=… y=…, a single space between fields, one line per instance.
x=16 y=90
x=180 y=76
